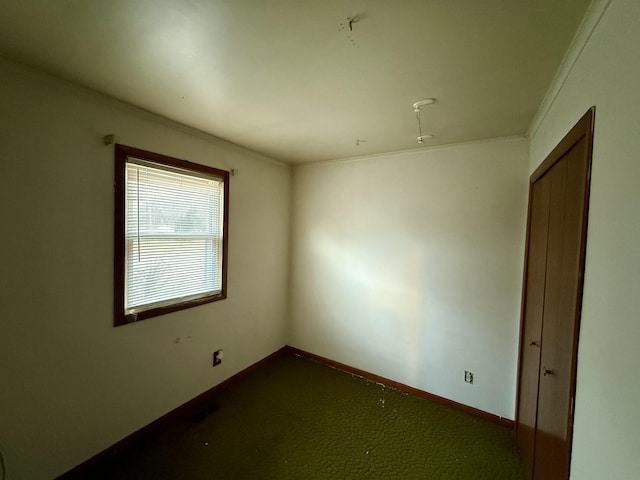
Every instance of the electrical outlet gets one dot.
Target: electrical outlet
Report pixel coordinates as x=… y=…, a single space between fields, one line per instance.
x=468 y=376
x=217 y=358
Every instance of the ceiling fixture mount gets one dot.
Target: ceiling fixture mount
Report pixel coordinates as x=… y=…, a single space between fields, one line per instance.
x=347 y=27
x=352 y=20
x=417 y=107
x=423 y=103
x=424 y=137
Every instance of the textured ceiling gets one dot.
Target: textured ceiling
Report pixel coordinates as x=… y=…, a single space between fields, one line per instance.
x=287 y=78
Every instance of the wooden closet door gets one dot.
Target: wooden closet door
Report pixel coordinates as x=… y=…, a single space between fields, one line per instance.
x=533 y=310
x=552 y=298
x=561 y=316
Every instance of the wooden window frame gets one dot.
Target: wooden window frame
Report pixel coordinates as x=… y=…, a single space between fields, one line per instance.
x=122 y=153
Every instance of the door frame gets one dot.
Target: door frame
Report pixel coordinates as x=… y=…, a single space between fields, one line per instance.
x=583 y=128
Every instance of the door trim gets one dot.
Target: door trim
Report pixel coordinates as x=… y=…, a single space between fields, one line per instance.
x=584 y=127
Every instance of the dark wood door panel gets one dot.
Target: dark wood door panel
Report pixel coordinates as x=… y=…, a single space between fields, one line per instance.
x=532 y=327
x=555 y=396
x=552 y=298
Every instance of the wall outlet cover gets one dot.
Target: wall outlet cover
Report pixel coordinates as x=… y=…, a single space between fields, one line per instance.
x=468 y=376
x=217 y=357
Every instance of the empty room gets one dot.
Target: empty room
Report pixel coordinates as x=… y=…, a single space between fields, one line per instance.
x=338 y=239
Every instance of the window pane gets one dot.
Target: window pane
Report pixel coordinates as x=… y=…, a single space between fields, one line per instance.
x=173 y=236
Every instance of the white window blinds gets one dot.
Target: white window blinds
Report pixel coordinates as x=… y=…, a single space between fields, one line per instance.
x=173 y=235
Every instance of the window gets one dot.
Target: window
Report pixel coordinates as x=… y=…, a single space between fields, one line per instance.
x=170 y=234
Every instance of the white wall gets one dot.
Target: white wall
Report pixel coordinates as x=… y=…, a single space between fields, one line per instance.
x=409 y=266
x=607 y=75
x=72 y=384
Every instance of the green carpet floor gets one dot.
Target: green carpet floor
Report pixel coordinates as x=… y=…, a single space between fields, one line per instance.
x=297 y=419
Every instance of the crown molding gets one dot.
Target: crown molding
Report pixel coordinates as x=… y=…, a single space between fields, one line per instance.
x=591 y=20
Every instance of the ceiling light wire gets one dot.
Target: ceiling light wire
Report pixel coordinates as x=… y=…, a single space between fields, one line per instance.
x=419 y=118
x=417 y=107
